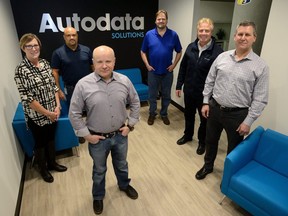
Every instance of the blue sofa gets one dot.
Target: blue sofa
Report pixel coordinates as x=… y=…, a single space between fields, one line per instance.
x=255 y=173
x=134 y=74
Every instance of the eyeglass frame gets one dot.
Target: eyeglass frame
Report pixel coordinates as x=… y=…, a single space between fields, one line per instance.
x=30 y=47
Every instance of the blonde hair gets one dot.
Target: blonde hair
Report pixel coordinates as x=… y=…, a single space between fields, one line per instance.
x=205 y=20
x=26 y=38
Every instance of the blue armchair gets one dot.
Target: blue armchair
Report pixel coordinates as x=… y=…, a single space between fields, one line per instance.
x=255 y=173
x=134 y=74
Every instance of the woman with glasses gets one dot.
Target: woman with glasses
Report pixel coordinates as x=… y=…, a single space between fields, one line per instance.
x=41 y=104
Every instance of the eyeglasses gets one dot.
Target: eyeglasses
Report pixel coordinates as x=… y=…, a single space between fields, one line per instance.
x=30 y=47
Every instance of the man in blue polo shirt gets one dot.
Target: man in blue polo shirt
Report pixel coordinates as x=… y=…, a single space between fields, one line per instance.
x=72 y=61
x=159 y=44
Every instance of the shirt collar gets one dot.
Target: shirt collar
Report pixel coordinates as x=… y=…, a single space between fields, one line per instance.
x=249 y=56
x=205 y=46
x=67 y=48
x=99 y=78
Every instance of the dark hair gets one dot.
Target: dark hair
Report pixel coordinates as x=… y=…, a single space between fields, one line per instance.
x=26 y=38
x=248 y=23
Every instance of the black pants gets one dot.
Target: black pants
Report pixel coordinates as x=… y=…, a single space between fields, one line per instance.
x=42 y=134
x=191 y=105
x=216 y=122
x=44 y=137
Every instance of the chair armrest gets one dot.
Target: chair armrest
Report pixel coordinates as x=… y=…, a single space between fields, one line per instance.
x=240 y=156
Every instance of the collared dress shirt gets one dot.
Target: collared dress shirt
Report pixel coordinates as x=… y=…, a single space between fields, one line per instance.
x=105 y=103
x=243 y=83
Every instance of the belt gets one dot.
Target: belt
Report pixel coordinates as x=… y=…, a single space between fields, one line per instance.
x=228 y=109
x=107 y=135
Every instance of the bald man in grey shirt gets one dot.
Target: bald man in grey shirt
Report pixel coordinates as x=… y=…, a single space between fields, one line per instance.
x=105 y=94
x=235 y=94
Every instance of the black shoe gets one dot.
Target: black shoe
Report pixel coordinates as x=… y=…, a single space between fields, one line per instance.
x=46 y=175
x=201 y=174
x=98 y=206
x=201 y=149
x=165 y=120
x=57 y=167
x=81 y=140
x=151 y=120
x=130 y=191
x=183 y=140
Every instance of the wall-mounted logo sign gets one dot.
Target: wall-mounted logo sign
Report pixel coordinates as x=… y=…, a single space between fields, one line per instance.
x=121 y=24
x=243 y=2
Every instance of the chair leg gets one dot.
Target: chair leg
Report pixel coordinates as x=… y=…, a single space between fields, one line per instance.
x=77 y=151
x=221 y=201
x=32 y=161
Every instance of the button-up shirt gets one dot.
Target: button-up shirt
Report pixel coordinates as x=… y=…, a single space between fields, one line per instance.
x=36 y=83
x=105 y=103
x=241 y=83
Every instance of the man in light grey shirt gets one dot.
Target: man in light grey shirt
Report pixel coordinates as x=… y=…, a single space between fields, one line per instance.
x=105 y=94
x=235 y=94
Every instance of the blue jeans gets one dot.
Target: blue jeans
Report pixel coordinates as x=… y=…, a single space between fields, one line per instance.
x=163 y=83
x=118 y=146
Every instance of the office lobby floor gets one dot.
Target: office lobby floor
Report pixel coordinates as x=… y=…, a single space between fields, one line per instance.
x=162 y=172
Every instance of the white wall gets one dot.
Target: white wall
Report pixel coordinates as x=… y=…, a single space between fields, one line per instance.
x=219 y=12
x=273 y=51
x=180 y=19
x=11 y=156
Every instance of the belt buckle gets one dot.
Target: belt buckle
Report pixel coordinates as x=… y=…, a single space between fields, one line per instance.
x=222 y=107
x=111 y=135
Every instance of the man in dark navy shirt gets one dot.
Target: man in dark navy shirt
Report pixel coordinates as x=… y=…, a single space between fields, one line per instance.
x=72 y=61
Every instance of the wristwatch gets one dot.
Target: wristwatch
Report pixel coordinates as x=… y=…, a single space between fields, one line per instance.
x=131 y=128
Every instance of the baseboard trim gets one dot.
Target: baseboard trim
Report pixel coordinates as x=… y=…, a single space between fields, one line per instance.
x=21 y=188
x=177 y=106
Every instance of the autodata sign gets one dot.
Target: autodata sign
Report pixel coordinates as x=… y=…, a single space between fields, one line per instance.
x=119 y=24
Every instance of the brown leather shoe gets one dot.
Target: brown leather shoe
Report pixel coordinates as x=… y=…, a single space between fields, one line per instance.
x=98 y=206
x=130 y=192
x=151 y=120
x=165 y=120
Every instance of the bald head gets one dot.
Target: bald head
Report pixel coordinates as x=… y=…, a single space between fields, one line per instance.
x=71 y=37
x=104 y=61
x=103 y=50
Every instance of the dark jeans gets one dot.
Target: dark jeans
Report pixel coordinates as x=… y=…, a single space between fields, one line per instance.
x=191 y=105
x=69 y=93
x=163 y=84
x=216 y=122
